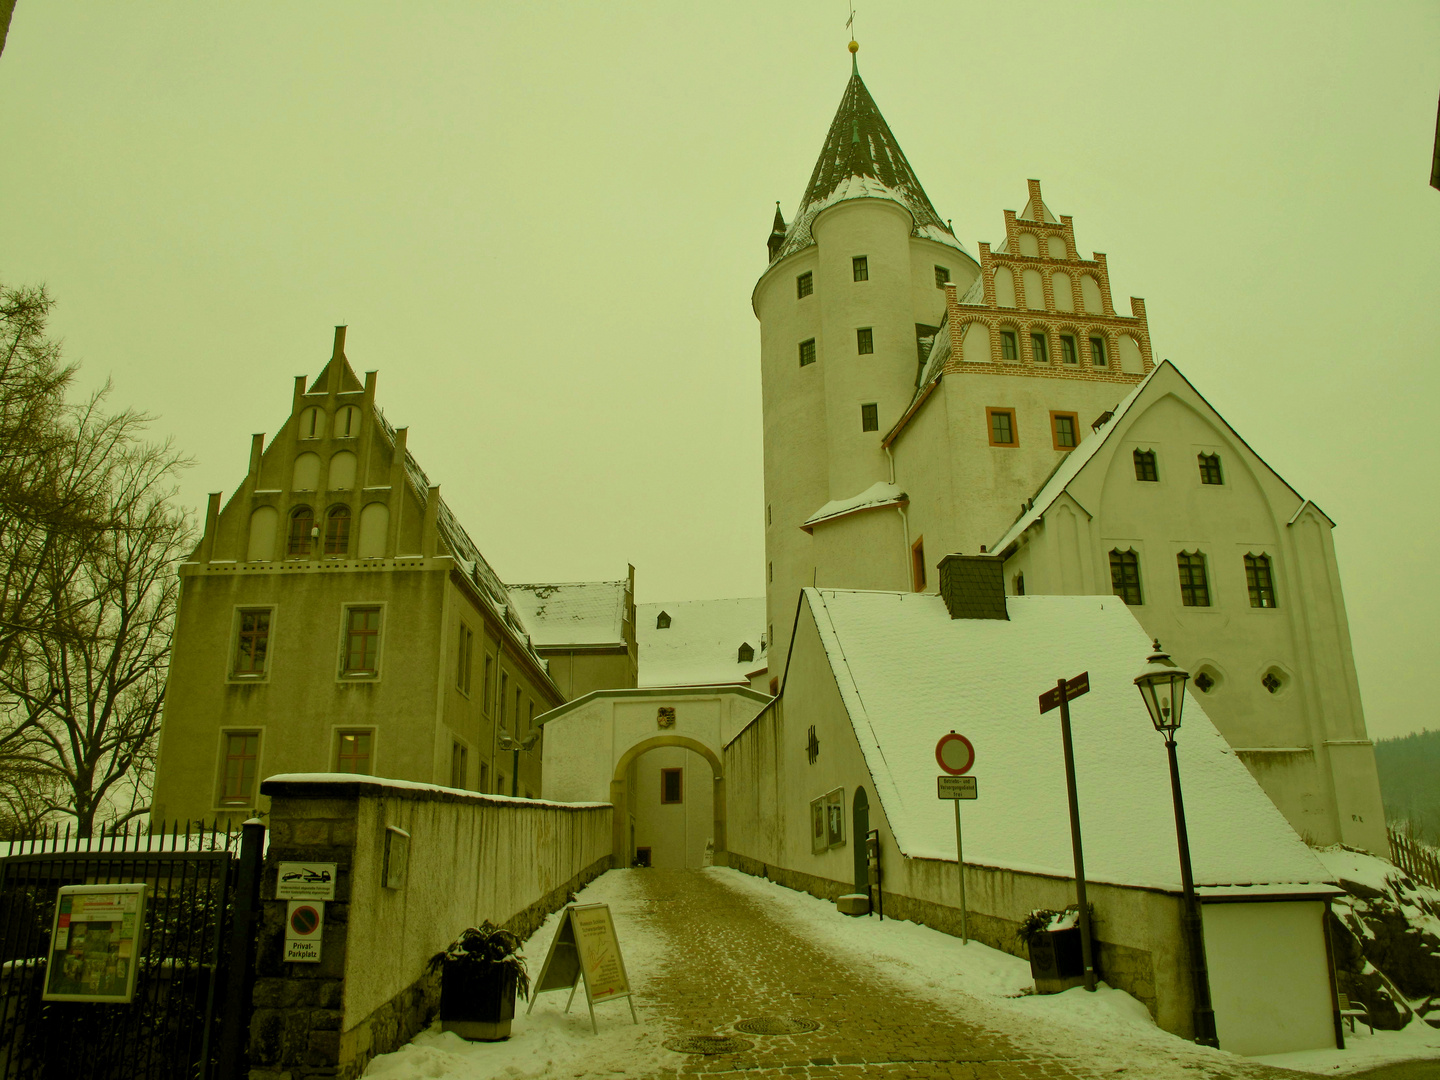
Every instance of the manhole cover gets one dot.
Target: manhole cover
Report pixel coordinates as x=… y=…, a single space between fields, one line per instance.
x=776 y=1025
x=707 y=1044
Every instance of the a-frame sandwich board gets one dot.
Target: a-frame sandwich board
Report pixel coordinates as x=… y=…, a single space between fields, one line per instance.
x=585 y=949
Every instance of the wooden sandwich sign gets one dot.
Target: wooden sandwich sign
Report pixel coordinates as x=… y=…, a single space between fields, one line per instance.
x=585 y=949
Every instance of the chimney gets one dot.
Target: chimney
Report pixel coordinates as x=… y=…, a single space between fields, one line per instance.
x=973 y=586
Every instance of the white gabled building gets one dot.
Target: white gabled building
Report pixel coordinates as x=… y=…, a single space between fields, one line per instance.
x=876 y=678
x=1166 y=505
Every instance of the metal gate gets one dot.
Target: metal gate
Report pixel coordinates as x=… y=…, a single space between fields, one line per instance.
x=195 y=956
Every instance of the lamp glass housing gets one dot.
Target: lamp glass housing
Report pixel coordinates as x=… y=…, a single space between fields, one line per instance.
x=1162 y=685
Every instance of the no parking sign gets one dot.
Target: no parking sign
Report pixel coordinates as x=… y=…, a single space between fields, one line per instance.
x=304 y=921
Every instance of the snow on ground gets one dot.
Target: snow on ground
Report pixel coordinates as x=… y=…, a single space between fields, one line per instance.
x=550 y=1042
x=1108 y=1028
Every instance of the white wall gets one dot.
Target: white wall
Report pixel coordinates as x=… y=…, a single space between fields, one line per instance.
x=1269 y=982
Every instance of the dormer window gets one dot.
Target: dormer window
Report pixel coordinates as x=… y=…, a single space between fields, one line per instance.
x=662 y=621
x=747 y=653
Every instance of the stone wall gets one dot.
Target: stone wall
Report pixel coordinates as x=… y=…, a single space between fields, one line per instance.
x=472 y=857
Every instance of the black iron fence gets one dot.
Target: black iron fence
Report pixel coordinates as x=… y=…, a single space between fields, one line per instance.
x=194 y=957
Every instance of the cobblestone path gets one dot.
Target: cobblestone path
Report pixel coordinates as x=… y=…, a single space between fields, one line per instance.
x=729 y=960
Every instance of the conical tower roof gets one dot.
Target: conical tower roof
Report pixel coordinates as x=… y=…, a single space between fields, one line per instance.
x=862 y=160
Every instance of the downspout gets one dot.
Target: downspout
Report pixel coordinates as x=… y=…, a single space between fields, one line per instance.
x=904 y=524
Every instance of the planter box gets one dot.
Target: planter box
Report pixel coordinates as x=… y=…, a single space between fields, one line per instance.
x=477 y=1002
x=1056 y=961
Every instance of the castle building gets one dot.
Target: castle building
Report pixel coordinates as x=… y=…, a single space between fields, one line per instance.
x=336 y=617
x=919 y=402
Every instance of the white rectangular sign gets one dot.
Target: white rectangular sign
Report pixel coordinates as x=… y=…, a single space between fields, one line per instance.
x=305 y=881
x=304 y=924
x=957 y=787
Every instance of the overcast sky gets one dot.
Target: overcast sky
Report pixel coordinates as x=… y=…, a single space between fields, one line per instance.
x=542 y=223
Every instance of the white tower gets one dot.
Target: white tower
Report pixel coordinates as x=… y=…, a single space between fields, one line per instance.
x=847 y=307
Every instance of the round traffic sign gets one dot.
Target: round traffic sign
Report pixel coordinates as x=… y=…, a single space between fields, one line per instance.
x=304 y=920
x=955 y=754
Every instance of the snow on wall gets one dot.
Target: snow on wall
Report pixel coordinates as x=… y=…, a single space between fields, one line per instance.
x=908 y=674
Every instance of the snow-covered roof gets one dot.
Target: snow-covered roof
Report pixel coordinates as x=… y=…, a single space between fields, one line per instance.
x=573 y=613
x=862 y=160
x=876 y=495
x=908 y=674
x=1070 y=467
x=701 y=646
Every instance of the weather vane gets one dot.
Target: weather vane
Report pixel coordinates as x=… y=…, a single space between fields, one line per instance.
x=850 y=25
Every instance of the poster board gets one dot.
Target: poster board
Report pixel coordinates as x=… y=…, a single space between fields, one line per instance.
x=585 y=949
x=305 y=881
x=95 y=943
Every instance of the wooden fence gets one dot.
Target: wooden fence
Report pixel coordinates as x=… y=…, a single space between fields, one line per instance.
x=1415 y=859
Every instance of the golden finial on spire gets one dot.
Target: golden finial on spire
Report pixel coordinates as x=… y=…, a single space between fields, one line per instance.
x=854 y=46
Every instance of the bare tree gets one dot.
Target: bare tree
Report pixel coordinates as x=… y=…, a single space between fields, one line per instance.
x=89 y=539
x=88 y=696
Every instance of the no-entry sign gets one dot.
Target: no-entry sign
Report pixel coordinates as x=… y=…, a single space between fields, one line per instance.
x=954 y=754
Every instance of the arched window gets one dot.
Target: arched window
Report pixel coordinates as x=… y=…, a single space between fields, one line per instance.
x=302 y=520
x=347 y=422
x=337 y=531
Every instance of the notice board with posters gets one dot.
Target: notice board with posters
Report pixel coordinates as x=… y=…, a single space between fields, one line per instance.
x=95 y=943
x=586 y=950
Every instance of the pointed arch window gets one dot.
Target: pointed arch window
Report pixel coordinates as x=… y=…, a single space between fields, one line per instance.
x=302 y=521
x=337 y=531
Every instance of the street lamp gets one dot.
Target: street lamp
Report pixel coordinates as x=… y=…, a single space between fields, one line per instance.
x=1162 y=684
x=507 y=742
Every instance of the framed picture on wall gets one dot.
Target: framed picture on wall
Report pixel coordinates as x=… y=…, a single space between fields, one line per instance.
x=835 y=818
x=819 y=831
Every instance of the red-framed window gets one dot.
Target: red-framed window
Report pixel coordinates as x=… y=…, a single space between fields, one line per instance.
x=252 y=642
x=352 y=754
x=362 y=640
x=242 y=755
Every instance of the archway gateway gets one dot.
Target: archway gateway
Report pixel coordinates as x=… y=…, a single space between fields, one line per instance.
x=621 y=841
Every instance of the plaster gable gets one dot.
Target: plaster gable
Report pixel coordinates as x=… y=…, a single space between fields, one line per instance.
x=1187 y=424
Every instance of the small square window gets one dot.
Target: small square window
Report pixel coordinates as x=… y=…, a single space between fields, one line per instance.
x=672 y=785
x=807 y=352
x=1068 y=350
x=353 y=753
x=252 y=643
x=1194 y=585
x=1210 y=469
x=362 y=641
x=1064 y=427
x=942 y=276
x=1009 y=346
x=865 y=340
x=1260 y=581
x=1145 y=466
x=804 y=285
x=869 y=417
x=1002 y=427
x=1125 y=576
x=861 y=265
x=1040 y=348
x=1097 y=351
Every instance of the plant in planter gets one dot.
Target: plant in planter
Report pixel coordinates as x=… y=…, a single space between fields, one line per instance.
x=1053 y=940
x=479 y=974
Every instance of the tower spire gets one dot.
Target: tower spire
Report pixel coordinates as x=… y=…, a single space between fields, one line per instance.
x=861 y=159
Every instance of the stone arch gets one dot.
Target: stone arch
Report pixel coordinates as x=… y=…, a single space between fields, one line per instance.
x=620 y=795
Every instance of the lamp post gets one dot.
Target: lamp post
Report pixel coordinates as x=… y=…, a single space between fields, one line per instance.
x=1162 y=684
x=508 y=742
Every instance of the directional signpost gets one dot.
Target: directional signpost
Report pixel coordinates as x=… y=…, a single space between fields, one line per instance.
x=1065 y=690
x=955 y=755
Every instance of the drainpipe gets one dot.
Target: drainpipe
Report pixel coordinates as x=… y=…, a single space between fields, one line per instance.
x=904 y=524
